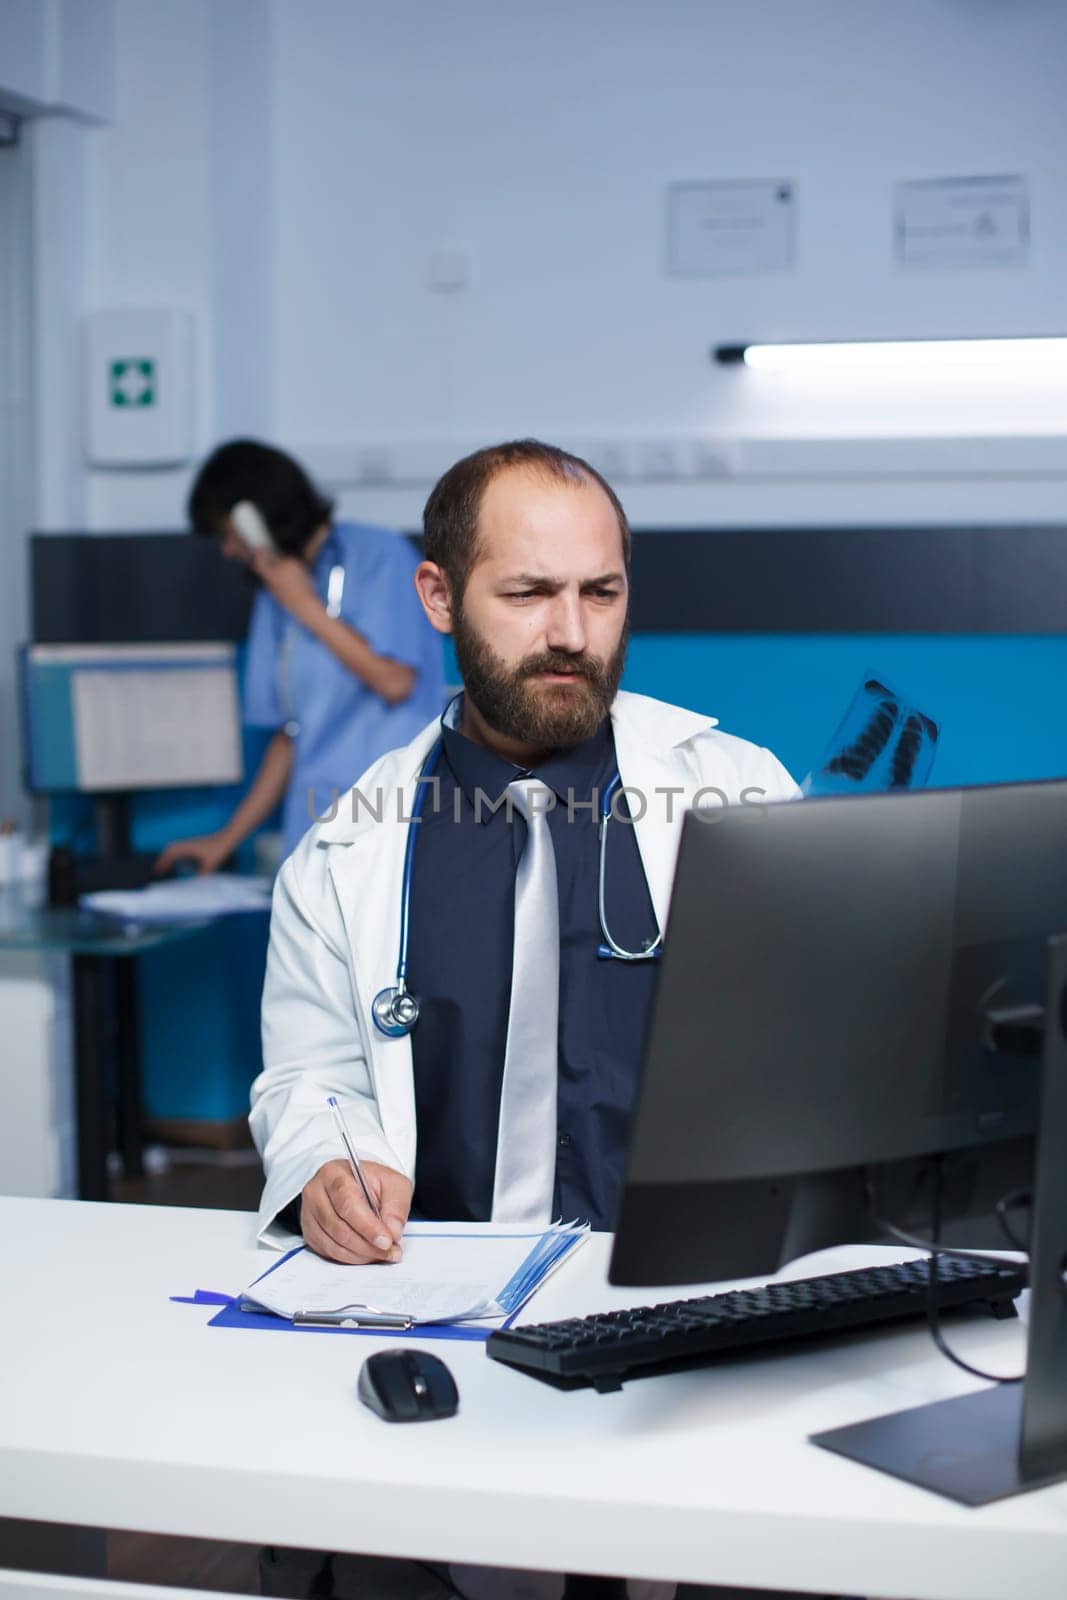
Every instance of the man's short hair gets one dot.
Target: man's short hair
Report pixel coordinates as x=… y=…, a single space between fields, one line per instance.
x=278 y=487
x=450 y=518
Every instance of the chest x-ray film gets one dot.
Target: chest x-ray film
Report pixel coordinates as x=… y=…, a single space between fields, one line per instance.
x=881 y=743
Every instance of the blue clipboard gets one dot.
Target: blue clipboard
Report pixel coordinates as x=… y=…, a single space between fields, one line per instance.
x=231 y=1316
x=231 y=1313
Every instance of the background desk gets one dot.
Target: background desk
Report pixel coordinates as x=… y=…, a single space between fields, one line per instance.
x=122 y=1410
x=101 y=952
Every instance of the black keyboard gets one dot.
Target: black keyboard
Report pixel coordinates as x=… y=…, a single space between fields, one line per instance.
x=605 y=1349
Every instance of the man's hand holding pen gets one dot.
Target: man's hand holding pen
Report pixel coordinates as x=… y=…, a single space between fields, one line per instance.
x=338 y=1223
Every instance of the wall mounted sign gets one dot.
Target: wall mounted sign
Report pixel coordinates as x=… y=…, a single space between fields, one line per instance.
x=962 y=222
x=740 y=226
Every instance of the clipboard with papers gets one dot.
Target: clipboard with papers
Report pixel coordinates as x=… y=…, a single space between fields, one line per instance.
x=458 y=1280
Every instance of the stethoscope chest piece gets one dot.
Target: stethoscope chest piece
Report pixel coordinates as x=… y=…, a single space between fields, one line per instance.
x=395 y=1011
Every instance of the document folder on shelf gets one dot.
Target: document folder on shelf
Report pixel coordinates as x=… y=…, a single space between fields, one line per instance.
x=196 y=899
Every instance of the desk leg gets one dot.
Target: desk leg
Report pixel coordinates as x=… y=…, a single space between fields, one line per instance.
x=129 y=1064
x=93 y=1105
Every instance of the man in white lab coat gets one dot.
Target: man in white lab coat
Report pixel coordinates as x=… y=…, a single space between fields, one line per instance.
x=515 y=587
x=527 y=555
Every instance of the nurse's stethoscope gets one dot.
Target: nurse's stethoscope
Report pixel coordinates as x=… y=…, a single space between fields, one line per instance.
x=335 y=590
x=396 y=1010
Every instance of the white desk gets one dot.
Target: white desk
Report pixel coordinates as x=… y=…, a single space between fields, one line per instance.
x=120 y=1409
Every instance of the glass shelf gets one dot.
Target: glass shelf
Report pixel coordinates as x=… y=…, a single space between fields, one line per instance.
x=27 y=922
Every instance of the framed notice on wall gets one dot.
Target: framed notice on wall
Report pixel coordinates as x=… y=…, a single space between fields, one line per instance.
x=962 y=222
x=738 y=226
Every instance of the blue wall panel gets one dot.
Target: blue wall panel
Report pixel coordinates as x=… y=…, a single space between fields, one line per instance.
x=998 y=698
x=199 y=1021
x=199 y=999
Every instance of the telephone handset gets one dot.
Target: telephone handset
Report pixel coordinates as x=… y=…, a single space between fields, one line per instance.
x=248 y=520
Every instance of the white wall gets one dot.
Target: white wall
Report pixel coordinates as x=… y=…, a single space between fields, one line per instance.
x=16 y=475
x=57 y=61
x=57 y=71
x=22 y=50
x=285 y=168
x=60 y=152
x=169 y=205
x=151 y=216
x=542 y=139
x=241 y=200
x=58 y=55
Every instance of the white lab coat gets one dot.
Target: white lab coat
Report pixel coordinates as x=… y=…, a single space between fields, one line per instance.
x=335 y=934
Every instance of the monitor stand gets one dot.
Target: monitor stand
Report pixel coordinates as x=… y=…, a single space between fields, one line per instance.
x=114 y=866
x=1010 y=1438
x=111 y=814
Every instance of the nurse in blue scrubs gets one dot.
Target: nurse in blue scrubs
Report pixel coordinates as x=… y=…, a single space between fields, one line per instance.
x=341 y=662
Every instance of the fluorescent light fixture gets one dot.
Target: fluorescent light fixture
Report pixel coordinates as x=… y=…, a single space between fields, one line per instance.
x=872 y=356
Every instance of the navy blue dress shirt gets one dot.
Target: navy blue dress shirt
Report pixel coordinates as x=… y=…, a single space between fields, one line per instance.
x=460 y=954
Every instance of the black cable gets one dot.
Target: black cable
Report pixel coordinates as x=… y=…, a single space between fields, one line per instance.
x=929 y=1246
x=934 y=1249
x=933 y=1312
x=1020 y=1198
x=917 y=1242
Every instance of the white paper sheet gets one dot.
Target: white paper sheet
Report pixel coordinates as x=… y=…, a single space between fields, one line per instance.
x=211 y=894
x=444 y=1276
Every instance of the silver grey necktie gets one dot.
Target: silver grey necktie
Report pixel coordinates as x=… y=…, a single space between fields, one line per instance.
x=526 y=1138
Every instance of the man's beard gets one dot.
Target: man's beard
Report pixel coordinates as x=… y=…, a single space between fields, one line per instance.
x=548 y=716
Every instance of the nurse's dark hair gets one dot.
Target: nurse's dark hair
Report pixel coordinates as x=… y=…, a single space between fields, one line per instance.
x=278 y=487
x=450 y=518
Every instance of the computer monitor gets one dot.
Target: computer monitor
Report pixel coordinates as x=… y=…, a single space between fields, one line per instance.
x=135 y=588
x=113 y=719
x=847 y=993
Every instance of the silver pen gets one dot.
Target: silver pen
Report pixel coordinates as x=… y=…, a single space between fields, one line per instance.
x=353 y=1159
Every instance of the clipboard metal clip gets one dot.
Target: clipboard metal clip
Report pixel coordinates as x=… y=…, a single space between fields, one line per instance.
x=352 y=1317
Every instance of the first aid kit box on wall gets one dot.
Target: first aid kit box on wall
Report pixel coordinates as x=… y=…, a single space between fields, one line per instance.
x=138 y=388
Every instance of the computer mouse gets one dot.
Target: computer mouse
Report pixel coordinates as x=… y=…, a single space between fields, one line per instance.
x=408 y=1385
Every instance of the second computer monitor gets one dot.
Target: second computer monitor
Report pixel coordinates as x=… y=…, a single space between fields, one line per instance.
x=107 y=719
x=820 y=1026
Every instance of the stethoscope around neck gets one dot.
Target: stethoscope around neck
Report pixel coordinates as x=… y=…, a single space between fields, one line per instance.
x=396 y=1010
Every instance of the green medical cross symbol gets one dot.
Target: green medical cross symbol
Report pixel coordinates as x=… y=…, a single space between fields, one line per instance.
x=132 y=382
